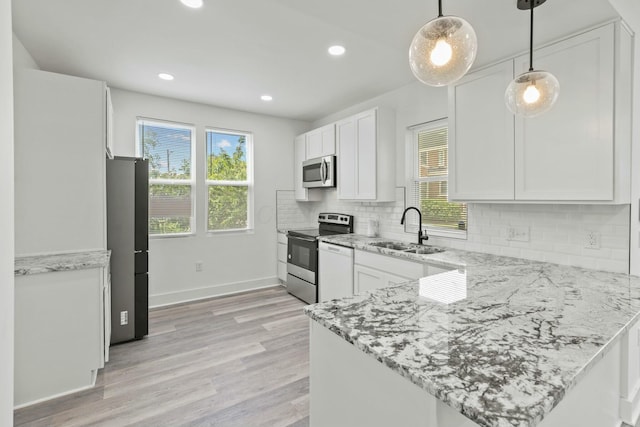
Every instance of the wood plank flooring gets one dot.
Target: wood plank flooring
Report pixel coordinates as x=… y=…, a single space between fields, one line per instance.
x=239 y=360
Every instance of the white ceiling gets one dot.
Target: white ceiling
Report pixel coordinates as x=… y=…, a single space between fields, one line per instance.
x=232 y=51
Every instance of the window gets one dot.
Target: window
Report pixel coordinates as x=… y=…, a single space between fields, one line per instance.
x=229 y=180
x=431 y=184
x=169 y=147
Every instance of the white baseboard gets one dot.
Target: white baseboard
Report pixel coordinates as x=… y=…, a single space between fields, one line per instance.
x=55 y=396
x=171 y=298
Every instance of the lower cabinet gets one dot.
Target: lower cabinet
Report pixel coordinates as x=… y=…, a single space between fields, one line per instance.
x=282 y=257
x=367 y=279
x=61 y=341
x=373 y=271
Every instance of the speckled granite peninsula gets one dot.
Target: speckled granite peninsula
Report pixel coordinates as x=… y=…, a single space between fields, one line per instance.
x=506 y=354
x=37 y=264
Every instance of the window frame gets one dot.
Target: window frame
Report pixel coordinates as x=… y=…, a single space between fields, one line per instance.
x=249 y=182
x=416 y=179
x=164 y=181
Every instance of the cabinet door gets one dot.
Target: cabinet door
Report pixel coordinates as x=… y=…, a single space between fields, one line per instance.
x=346 y=136
x=321 y=142
x=481 y=136
x=366 y=155
x=299 y=156
x=314 y=144
x=567 y=153
x=367 y=279
x=328 y=140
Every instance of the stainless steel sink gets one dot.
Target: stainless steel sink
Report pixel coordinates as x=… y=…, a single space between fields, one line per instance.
x=392 y=245
x=424 y=250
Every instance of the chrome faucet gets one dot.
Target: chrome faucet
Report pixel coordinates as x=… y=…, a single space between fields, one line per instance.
x=421 y=236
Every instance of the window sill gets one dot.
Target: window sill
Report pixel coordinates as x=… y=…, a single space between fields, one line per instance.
x=230 y=232
x=451 y=234
x=170 y=236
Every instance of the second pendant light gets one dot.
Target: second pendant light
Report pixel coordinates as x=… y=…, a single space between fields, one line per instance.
x=534 y=92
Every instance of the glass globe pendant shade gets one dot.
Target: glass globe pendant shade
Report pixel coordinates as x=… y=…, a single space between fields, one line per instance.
x=532 y=93
x=443 y=50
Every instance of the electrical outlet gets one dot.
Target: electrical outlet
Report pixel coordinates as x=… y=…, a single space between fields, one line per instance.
x=198 y=265
x=518 y=234
x=592 y=240
x=124 y=318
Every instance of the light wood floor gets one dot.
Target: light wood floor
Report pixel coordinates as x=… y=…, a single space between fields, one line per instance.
x=240 y=360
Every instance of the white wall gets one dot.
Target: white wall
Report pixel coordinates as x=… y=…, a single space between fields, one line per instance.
x=231 y=262
x=21 y=56
x=6 y=216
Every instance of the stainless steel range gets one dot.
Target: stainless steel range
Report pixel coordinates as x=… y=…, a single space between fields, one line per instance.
x=302 y=254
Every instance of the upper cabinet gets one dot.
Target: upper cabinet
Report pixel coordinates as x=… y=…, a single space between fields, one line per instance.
x=366 y=156
x=576 y=152
x=481 y=136
x=299 y=156
x=321 y=142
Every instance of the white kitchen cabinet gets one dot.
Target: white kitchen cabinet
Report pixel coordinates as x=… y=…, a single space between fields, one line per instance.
x=481 y=136
x=321 y=142
x=374 y=271
x=576 y=152
x=282 y=257
x=299 y=156
x=61 y=333
x=60 y=134
x=568 y=153
x=366 y=156
x=368 y=279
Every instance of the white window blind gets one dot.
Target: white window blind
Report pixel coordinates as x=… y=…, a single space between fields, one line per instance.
x=430 y=192
x=169 y=147
x=229 y=180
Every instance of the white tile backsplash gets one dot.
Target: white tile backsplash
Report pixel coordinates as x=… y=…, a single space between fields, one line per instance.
x=557 y=233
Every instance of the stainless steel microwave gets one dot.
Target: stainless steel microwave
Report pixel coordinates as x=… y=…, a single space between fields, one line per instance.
x=320 y=172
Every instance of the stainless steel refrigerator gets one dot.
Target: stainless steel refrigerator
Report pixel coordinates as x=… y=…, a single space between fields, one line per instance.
x=128 y=239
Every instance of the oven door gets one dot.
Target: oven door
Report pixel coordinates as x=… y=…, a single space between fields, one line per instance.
x=302 y=258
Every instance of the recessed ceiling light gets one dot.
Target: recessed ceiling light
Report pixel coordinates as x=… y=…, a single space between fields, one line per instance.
x=337 y=50
x=192 y=3
x=266 y=98
x=165 y=76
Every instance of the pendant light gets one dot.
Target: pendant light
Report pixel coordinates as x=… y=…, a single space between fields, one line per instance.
x=534 y=92
x=443 y=50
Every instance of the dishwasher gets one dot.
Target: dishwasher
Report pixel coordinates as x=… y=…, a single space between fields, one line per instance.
x=335 y=271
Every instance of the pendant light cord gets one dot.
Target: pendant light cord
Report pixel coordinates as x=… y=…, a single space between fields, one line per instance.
x=531 y=38
x=439 y=8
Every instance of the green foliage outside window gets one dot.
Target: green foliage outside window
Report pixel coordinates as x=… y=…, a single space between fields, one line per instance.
x=227 y=207
x=444 y=214
x=227 y=204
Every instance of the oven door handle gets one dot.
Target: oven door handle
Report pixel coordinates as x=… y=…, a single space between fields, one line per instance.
x=303 y=238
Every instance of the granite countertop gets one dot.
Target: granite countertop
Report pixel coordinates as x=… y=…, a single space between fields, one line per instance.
x=507 y=341
x=66 y=261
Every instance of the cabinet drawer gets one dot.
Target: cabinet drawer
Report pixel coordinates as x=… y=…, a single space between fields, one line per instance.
x=392 y=265
x=282 y=252
x=282 y=271
x=282 y=238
